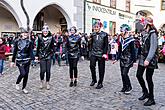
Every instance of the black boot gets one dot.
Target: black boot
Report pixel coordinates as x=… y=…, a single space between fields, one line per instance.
x=149 y=102
x=92 y=83
x=71 y=84
x=99 y=86
x=144 y=96
x=75 y=82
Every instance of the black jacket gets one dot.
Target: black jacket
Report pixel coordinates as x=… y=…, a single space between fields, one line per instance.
x=23 y=52
x=99 y=43
x=149 y=50
x=73 y=46
x=127 y=52
x=45 y=47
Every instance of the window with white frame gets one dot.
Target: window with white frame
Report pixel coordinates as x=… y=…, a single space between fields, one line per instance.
x=128 y=5
x=163 y=5
x=113 y=3
x=97 y=1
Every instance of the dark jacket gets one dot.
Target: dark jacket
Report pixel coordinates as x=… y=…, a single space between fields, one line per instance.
x=127 y=52
x=149 y=50
x=73 y=46
x=2 y=51
x=23 y=52
x=45 y=48
x=99 y=43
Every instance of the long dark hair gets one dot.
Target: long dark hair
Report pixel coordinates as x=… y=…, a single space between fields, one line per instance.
x=152 y=27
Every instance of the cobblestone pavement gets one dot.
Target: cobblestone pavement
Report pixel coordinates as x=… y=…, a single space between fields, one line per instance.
x=82 y=97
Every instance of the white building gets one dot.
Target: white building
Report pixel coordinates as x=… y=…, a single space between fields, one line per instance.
x=62 y=14
x=112 y=13
x=58 y=14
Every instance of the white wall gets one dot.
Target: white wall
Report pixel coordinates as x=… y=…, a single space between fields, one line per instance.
x=120 y=4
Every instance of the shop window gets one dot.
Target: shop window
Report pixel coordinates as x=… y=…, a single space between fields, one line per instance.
x=38 y=22
x=113 y=3
x=94 y=21
x=163 y=5
x=128 y=5
x=97 y=1
x=112 y=28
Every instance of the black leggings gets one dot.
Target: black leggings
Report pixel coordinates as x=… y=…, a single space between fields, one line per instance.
x=24 y=71
x=45 y=66
x=125 y=78
x=73 y=67
x=149 y=74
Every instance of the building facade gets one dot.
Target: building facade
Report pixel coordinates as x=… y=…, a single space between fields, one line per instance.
x=61 y=15
x=111 y=13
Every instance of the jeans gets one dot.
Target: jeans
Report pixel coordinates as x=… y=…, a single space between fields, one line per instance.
x=125 y=77
x=1 y=66
x=24 y=71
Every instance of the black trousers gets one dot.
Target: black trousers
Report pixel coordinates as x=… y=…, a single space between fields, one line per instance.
x=73 y=67
x=45 y=66
x=101 y=67
x=24 y=72
x=149 y=74
x=125 y=78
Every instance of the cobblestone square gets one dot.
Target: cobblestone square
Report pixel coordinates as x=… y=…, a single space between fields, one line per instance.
x=82 y=97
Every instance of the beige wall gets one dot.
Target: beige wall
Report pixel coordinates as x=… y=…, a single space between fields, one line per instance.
x=7 y=21
x=52 y=18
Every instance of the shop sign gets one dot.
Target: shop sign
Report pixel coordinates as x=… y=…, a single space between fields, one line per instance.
x=101 y=9
x=122 y=16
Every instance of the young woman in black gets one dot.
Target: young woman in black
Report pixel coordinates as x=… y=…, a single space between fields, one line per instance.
x=73 y=46
x=45 y=50
x=148 y=61
x=22 y=55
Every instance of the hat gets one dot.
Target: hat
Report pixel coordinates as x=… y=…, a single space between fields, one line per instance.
x=125 y=28
x=98 y=23
x=146 y=21
x=73 y=27
x=45 y=28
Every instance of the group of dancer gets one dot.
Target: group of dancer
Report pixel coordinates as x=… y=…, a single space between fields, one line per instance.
x=23 y=54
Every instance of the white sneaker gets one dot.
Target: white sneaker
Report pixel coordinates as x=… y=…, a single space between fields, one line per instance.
x=47 y=86
x=25 y=91
x=42 y=85
x=17 y=87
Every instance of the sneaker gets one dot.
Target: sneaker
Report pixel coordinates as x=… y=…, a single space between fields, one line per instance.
x=128 y=91
x=25 y=91
x=47 y=86
x=123 y=89
x=42 y=85
x=17 y=87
